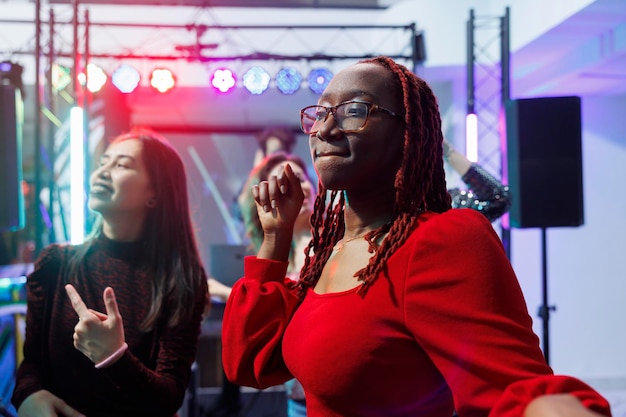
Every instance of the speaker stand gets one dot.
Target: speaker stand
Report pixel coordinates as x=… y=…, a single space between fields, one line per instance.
x=545 y=308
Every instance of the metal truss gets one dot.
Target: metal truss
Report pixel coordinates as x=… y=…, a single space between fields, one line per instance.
x=488 y=88
x=75 y=41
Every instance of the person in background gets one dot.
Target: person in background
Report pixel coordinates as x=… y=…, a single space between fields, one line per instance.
x=404 y=306
x=485 y=193
x=112 y=324
x=271 y=166
x=274 y=139
x=271 y=139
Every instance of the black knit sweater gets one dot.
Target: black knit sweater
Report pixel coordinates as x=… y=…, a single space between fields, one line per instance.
x=151 y=377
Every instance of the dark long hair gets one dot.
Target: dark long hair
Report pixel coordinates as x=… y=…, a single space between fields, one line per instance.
x=170 y=247
x=419 y=183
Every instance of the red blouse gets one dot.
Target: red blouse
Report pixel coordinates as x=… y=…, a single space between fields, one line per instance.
x=445 y=328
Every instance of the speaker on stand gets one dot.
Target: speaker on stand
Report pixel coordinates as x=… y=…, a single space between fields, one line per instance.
x=544 y=153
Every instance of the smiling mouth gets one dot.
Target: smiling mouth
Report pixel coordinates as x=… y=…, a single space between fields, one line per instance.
x=322 y=154
x=99 y=188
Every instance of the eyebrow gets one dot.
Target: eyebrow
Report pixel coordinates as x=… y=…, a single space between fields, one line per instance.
x=119 y=156
x=352 y=93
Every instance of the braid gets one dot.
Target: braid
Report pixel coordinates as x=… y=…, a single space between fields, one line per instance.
x=400 y=228
x=420 y=184
x=329 y=220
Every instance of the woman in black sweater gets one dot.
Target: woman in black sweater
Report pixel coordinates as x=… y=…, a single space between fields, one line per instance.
x=112 y=325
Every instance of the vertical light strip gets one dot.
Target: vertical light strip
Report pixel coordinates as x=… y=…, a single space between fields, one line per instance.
x=471 y=137
x=77 y=179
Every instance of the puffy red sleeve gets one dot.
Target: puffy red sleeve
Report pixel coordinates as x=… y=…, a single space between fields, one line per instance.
x=256 y=315
x=465 y=307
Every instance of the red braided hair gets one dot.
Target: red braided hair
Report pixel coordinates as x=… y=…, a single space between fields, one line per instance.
x=420 y=185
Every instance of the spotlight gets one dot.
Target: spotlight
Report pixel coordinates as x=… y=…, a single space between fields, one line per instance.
x=11 y=73
x=125 y=78
x=162 y=80
x=96 y=78
x=318 y=79
x=6 y=67
x=256 y=80
x=223 y=79
x=288 y=80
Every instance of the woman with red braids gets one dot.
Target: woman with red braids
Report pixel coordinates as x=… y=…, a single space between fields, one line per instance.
x=404 y=307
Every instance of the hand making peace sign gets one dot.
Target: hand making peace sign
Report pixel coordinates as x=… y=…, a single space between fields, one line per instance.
x=97 y=335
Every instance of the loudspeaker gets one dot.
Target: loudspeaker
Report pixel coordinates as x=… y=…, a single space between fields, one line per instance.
x=11 y=120
x=419 y=48
x=545 y=162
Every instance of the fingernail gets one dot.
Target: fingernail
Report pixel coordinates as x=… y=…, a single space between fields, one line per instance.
x=283 y=189
x=266 y=208
x=273 y=204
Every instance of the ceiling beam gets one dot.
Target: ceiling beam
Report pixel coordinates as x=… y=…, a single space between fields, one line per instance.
x=330 y=4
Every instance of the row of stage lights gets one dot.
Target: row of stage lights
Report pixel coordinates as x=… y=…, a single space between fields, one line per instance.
x=256 y=79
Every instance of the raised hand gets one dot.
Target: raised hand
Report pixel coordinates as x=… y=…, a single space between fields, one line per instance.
x=45 y=404
x=278 y=201
x=217 y=289
x=97 y=335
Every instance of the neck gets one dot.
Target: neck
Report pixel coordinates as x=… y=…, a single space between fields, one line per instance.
x=123 y=230
x=364 y=215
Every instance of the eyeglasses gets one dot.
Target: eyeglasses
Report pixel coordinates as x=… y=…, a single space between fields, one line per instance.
x=350 y=116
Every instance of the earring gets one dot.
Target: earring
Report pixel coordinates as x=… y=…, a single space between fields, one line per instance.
x=151 y=203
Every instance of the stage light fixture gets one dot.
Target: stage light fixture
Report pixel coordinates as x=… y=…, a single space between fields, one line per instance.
x=6 y=67
x=223 y=80
x=125 y=78
x=61 y=77
x=288 y=80
x=162 y=80
x=318 y=79
x=11 y=73
x=256 y=80
x=96 y=78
